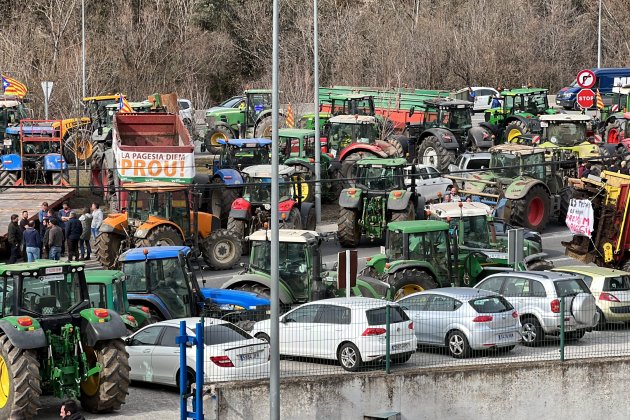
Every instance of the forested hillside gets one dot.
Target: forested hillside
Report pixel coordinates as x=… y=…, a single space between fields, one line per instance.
x=206 y=50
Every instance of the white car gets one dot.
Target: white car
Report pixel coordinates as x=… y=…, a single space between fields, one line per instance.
x=231 y=354
x=186 y=110
x=349 y=330
x=483 y=96
x=429 y=182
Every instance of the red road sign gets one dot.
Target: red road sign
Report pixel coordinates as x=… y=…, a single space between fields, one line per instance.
x=586 y=79
x=586 y=98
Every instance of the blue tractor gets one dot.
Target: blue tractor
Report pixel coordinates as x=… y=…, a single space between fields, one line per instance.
x=162 y=279
x=32 y=155
x=226 y=178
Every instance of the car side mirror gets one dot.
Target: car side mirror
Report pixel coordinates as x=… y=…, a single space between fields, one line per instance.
x=283 y=319
x=128 y=341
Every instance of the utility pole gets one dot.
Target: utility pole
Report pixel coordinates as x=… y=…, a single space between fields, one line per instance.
x=599 y=37
x=318 y=143
x=274 y=377
x=83 y=46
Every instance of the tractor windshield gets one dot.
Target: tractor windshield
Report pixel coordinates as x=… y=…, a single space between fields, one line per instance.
x=456 y=118
x=170 y=205
x=432 y=247
x=395 y=245
x=352 y=107
x=120 y=297
x=506 y=165
x=247 y=156
x=566 y=134
x=296 y=261
x=381 y=178
x=258 y=190
x=475 y=232
x=341 y=135
x=167 y=281
x=50 y=294
x=534 y=165
x=533 y=103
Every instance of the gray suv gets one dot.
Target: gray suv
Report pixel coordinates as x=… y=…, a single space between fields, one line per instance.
x=536 y=296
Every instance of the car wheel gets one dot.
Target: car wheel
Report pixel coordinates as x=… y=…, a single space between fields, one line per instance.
x=349 y=357
x=601 y=324
x=533 y=333
x=458 y=345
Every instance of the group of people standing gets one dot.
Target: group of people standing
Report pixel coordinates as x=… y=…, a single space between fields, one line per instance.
x=54 y=233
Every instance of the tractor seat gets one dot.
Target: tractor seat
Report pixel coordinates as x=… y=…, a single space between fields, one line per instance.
x=47 y=305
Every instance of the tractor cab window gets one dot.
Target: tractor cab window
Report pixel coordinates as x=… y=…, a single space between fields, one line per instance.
x=6 y=297
x=433 y=248
x=566 y=134
x=309 y=147
x=361 y=107
x=342 y=134
x=377 y=177
x=295 y=264
x=50 y=294
x=459 y=118
x=98 y=295
x=119 y=296
x=534 y=165
x=289 y=146
x=168 y=281
x=259 y=190
x=505 y=165
x=475 y=234
x=395 y=245
x=39 y=148
x=248 y=156
x=258 y=103
x=431 y=117
x=136 y=276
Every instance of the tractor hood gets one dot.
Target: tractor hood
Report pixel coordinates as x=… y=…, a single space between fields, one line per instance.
x=235 y=299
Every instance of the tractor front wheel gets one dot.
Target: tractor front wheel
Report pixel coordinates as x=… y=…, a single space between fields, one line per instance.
x=107 y=390
x=221 y=199
x=408 y=214
x=213 y=137
x=406 y=282
x=263 y=129
x=161 y=235
x=513 y=130
x=221 y=249
x=532 y=211
x=108 y=248
x=20 y=381
x=349 y=229
x=430 y=151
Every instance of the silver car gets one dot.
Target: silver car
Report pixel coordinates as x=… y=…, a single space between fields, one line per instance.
x=430 y=184
x=463 y=319
x=536 y=296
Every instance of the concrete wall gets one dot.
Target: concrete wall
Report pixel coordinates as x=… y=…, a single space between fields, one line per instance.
x=580 y=389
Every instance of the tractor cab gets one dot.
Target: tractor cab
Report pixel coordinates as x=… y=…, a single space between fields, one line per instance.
x=509 y=161
x=451 y=114
x=257 y=190
x=241 y=153
x=571 y=133
x=525 y=101
x=349 y=104
x=12 y=110
x=97 y=108
x=298 y=143
x=378 y=175
x=469 y=223
x=344 y=130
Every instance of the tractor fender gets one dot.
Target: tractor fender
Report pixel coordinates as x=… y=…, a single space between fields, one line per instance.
x=23 y=339
x=226 y=126
x=12 y=162
x=144 y=229
x=300 y=162
x=535 y=257
x=151 y=301
x=447 y=139
x=304 y=209
x=234 y=282
x=398 y=203
x=481 y=137
x=229 y=176
x=529 y=120
x=54 y=162
x=407 y=265
x=116 y=222
x=101 y=331
x=521 y=186
x=350 y=201
x=360 y=147
x=377 y=262
x=241 y=209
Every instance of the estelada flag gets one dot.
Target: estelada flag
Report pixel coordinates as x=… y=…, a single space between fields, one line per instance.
x=289 y=119
x=600 y=103
x=11 y=86
x=123 y=105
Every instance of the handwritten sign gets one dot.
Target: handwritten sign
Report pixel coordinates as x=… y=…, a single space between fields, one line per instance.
x=153 y=166
x=580 y=217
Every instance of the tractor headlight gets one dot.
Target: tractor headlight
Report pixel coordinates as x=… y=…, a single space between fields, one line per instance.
x=141 y=232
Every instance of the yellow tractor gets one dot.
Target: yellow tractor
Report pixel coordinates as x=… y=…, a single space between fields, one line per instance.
x=160 y=213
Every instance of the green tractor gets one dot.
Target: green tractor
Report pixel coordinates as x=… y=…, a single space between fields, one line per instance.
x=52 y=341
x=252 y=119
x=108 y=289
x=297 y=149
x=518 y=114
x=378 y=197
x=12 y=110
x=525 y=183
x=331 y=105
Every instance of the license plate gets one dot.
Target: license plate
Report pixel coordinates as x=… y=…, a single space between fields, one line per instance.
x=251 y=356
x=505 y=336
x=400 y=346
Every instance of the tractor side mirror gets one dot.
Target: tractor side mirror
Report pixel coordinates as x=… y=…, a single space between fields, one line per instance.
x=412 y=110
x=181 y=259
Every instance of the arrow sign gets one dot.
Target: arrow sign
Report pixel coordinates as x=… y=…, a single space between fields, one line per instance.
x=586 y=98
x=586 y=79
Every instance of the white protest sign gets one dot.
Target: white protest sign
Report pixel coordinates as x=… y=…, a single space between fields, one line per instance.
x=580 y=217
x=155 y=166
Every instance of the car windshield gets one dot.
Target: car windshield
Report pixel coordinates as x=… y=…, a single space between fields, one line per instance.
x=51 y=294
x=566 y=134
x=506 y=165
x=258 y=190
x=570 y=287
x=295 y=263
x=223 y=333
x=491 y=305
x=341 y=135
x=616 y=284
x=381 y=178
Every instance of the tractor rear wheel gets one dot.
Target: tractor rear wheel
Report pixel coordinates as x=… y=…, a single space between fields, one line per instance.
x=221 y=199
x=408 y=214
x=613 y=133
x=515 y=129
x=213 y=137
x=221 y=249
x=540 y=265
x=107 y=390
x=566 y=194
x=162 y=235
x=20 y=381
x=348 y=165
x=349 y=229
x=430 y=151
x=259 y=289
x=532 y=211
x=108 y=248
x=396 y=144
x=406 y=282
x=60 y=178
x=293 y=221
x=237 y=227
x=7 y=179
x=78 y=147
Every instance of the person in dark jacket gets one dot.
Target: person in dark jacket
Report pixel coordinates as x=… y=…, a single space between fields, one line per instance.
x=32 y=241
x=55 y=240
x=70 y=411
x=73 y=235
x=14 y=238
x=84 y=243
